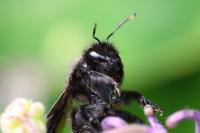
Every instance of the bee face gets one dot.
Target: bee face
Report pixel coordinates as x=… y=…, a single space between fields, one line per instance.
x=105 y=58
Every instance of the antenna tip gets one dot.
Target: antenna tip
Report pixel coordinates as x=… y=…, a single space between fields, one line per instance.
x=131 y=17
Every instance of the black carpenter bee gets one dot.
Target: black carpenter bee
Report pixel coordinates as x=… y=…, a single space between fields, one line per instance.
x=95 y=81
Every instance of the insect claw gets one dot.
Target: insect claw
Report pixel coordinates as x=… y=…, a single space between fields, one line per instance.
x=117 y=91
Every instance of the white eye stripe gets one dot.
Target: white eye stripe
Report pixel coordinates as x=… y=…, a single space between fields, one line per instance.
x=96 y=55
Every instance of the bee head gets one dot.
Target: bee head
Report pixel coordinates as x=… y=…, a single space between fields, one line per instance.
x=105 y=59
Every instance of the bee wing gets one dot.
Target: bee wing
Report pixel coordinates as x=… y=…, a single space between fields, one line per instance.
x=58 y=111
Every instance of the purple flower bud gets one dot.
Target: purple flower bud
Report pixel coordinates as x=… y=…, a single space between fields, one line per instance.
x=132 y=128
x=184 y=114
x=111 y=122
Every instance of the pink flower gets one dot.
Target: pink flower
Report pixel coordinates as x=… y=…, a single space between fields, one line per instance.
x=120 y=125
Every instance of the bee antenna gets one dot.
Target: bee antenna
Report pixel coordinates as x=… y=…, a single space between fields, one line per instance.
x=94 y=32
x=120 y=25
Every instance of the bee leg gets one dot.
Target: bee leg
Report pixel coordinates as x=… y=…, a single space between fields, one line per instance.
x=84 y=122
x=129 y=96
x=129 y=118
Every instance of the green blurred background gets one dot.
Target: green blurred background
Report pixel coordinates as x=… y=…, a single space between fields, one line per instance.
x=160 y=49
